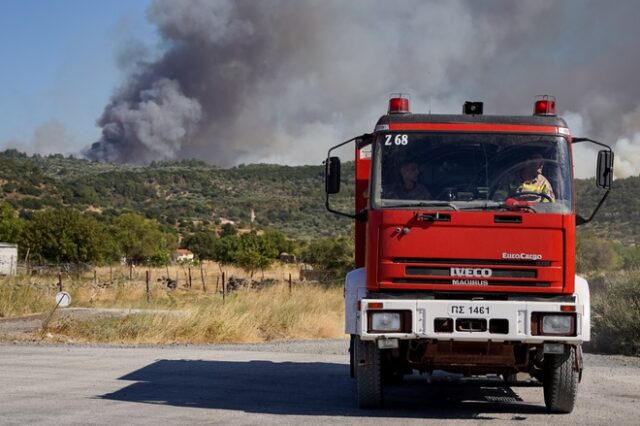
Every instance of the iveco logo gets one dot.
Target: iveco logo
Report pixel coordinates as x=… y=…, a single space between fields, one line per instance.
x=471 y=272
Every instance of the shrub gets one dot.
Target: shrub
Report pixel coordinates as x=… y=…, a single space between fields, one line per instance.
x=616 y=316
x=330 y=254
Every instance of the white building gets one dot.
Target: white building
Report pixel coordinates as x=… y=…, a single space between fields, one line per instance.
x=8 y=259
x=182 y=255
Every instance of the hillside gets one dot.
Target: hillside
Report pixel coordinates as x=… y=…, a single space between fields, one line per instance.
x=289 y=199
x=619 y=217
x=181 y=194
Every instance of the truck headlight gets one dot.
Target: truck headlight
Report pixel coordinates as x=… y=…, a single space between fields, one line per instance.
x=553 y=324
x=557 y=324
x=385 y=321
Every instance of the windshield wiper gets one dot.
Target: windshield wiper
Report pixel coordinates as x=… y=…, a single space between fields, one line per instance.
x=411 y=204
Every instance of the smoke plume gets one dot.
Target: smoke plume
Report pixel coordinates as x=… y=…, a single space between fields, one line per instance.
x=50 y=137
x=282 y=80
x=154 y=125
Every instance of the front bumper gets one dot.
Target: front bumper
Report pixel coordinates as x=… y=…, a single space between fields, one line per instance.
x=517 y=320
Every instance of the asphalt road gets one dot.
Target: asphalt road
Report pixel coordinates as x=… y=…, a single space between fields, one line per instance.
x=285 y=383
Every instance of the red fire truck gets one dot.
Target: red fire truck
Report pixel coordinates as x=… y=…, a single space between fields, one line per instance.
x=465 y=249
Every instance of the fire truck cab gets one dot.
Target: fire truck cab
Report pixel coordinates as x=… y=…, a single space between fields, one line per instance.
x=465 y=249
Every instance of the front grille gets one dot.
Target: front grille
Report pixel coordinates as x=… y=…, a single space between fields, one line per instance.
x=496 y=273
x=452 y=273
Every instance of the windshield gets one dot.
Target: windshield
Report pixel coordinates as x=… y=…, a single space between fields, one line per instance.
x=472 y=171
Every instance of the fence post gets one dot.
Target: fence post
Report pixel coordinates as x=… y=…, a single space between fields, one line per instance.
x=95 y=277
x=224 y=290
x=110 y=274
x=289 y=284
x=27 y=262
x=189 y=269
x=59 y=281
x=204 y=287
x=147 y=281
x=186 y=278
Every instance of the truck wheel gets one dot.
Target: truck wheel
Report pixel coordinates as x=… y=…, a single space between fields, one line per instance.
x=561 y=381
x=368 y=374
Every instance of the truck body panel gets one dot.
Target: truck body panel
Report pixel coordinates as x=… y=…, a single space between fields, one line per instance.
x=469 y=248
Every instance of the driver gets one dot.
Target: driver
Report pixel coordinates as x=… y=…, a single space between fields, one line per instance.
x=532 y=180
x=408 y=188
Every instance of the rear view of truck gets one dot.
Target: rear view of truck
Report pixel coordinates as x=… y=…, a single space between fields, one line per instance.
x=465 y=249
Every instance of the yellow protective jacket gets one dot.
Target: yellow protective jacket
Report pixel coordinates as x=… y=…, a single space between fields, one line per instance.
x=539 y=185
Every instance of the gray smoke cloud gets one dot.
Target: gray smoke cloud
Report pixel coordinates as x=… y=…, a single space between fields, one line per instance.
x=154 y=125
x=282 y=80
x=50 y=137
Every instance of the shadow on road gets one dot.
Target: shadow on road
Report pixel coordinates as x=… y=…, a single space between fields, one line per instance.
x=311 y=389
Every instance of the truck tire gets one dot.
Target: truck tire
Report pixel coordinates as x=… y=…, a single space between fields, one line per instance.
x=561 y=381
x=368 y=374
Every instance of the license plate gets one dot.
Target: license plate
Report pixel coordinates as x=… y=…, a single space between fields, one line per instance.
x=464 y=309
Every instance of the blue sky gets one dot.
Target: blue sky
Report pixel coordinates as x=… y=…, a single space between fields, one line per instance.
x=59 y=63
x=265 y=62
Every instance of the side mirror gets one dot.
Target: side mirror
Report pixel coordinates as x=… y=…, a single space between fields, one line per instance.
x=604 y=170
x=604 y=175
x=332 y=175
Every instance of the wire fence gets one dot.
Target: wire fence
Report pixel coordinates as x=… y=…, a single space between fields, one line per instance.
x=205 y=277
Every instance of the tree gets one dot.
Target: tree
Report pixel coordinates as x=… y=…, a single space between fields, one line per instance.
x=225 y=249
x=330 y=254
x=279 y=242
x=254 y=252
x=248 y=251
x=10 y=224
x=141 y=239
x=65 y=235
x=202 y=243
x=228 y=230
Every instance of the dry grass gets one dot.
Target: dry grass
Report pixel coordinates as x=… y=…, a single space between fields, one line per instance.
x=18 y=297
x=308 y=311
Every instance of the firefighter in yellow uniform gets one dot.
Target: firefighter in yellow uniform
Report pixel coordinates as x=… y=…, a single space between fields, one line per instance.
x=532 y=181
